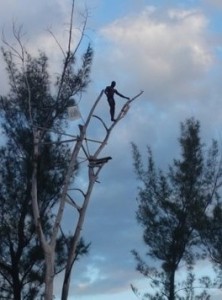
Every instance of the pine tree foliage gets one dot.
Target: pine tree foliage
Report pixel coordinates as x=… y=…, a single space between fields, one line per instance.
x=211 y=238
x=172 y=206
x=41 y=169
x=33 y=104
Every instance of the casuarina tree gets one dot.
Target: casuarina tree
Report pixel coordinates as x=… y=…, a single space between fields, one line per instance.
x=40 y=167
x=33 y=106
x=171 y=209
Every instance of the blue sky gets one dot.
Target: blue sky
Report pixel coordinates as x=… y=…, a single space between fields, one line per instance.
x=170 y=49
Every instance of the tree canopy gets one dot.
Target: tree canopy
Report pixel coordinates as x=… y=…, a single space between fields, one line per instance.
x=32 y=104
x=172 y=207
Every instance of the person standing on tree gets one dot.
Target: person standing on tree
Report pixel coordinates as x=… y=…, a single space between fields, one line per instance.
x=110 y=91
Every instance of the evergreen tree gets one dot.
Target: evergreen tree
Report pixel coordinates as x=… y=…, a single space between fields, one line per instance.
x=172 y=206
x=29 y=106
x=41 y=168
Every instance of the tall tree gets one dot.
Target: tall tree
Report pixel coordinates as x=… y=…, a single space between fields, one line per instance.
x=172 y=206
x=29 y=107
x=21 y=260
x=34 y=117
x=34 y=122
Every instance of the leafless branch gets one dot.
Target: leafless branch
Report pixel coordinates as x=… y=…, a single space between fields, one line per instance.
x=17 y=33
x=72 y=202
x=82 y=34
x=57 y=42
x=79 y=190
x=101 y=120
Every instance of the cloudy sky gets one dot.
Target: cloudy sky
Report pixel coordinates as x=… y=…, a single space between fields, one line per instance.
x=172 y=50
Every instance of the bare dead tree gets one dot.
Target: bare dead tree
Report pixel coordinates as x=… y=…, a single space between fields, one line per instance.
x=95 y=165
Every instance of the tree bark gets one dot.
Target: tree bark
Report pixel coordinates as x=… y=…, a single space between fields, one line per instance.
x=49 y=250
x=16 y=285
x=49 y=274
x=92 y=177
x=76 y=237
x=172 y=285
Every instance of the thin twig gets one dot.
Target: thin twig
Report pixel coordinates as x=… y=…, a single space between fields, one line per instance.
x=72 y=202
x=101 y=120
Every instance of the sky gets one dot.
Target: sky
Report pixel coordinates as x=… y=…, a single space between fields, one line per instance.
x=172 y=50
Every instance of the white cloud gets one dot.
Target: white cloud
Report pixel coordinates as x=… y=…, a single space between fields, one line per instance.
x=164 y=53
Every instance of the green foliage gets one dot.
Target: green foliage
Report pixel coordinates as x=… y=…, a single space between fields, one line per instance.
x=172 y=206
x=31 y=105
x=211 y=236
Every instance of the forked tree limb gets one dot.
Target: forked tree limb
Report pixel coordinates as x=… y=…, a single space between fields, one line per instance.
x=93 y=172
x=100 y=148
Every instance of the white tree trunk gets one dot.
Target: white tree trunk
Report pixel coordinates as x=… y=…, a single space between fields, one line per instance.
x=92 y=177
x=49 y=250
x=76 y=237
x=49 y=274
